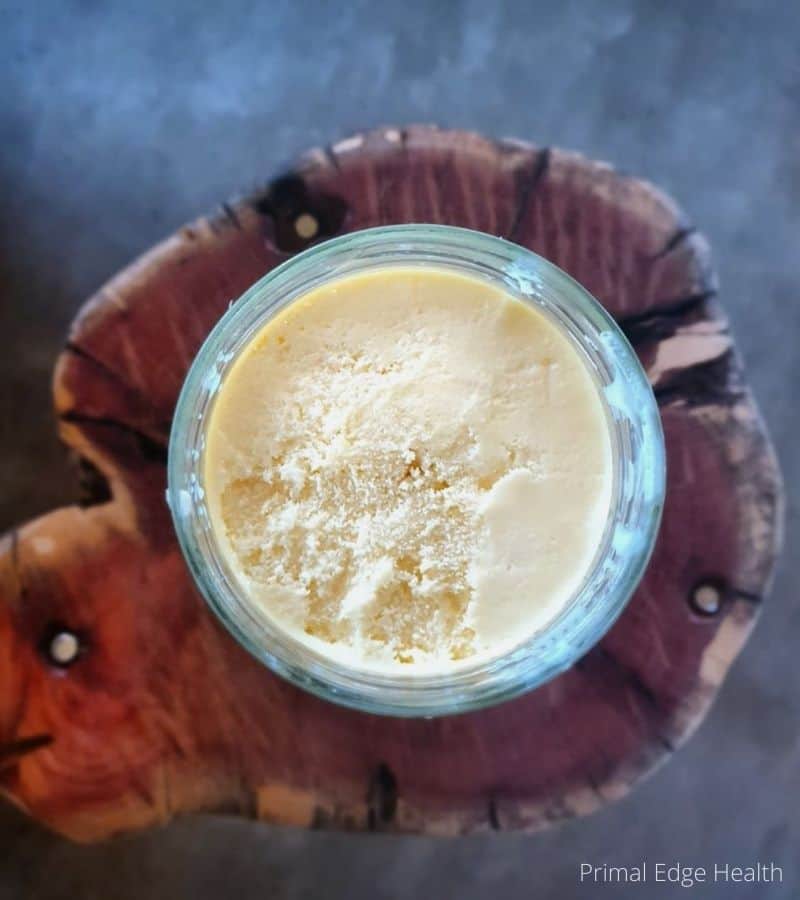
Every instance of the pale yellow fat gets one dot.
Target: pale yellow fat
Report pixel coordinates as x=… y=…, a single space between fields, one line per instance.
x=409 y=469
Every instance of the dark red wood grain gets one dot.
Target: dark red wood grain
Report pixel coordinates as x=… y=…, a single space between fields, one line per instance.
x=163 y=713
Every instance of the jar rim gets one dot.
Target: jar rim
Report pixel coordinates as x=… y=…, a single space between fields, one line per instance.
x=638 y=458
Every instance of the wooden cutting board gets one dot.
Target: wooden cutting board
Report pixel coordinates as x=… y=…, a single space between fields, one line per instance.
x=124 y=703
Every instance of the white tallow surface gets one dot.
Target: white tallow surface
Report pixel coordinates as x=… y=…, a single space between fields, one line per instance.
x=409 y=469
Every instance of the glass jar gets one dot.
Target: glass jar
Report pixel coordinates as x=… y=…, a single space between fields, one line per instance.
x=637 y=453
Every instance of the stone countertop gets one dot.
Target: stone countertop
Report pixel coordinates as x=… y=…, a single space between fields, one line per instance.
x=120 y=121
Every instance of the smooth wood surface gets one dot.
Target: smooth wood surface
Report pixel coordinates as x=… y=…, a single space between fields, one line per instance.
x=162 y=713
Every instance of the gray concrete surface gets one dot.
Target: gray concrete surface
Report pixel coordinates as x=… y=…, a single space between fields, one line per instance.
x=118 y=121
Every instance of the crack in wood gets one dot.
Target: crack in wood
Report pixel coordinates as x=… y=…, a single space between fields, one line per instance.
x=13 y=555
x=320 y=819
x=330 y=154
x=658 y=328
x=645 y=694
x=559 y=811
x=11 y=751
x=596 y=787
x=76 y=350
x=492 y=815
x=248 y=799
x=143 y=791
x=230 y=213
x=381 y=797
x=676 y=309
x=152 y=449
x=747 y=596
x=630 y=676
x=166 y=794
x=174 y=744
x=526 y=184
x=678 y=237
x=16 y=568
x=94 y=488
x=667 y=743
x=716 y=381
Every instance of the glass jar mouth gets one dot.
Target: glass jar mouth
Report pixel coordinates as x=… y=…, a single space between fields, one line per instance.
x=637 y=452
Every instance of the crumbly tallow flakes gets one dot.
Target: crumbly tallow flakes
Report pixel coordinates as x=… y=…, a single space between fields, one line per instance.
x=409 y=470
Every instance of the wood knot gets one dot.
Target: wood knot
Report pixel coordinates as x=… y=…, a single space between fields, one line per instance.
x=299 y=215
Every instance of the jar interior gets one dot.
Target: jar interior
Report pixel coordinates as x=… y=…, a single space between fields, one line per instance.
x=637 y=472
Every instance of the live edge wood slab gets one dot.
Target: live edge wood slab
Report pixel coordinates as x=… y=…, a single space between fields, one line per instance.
x=162 y=713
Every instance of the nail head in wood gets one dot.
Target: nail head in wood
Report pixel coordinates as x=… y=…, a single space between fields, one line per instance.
x=63 y=648
x=306 y=226
x=706 y=599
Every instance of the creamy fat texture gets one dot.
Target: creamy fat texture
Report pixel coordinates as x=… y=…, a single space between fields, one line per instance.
x=409 y=469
